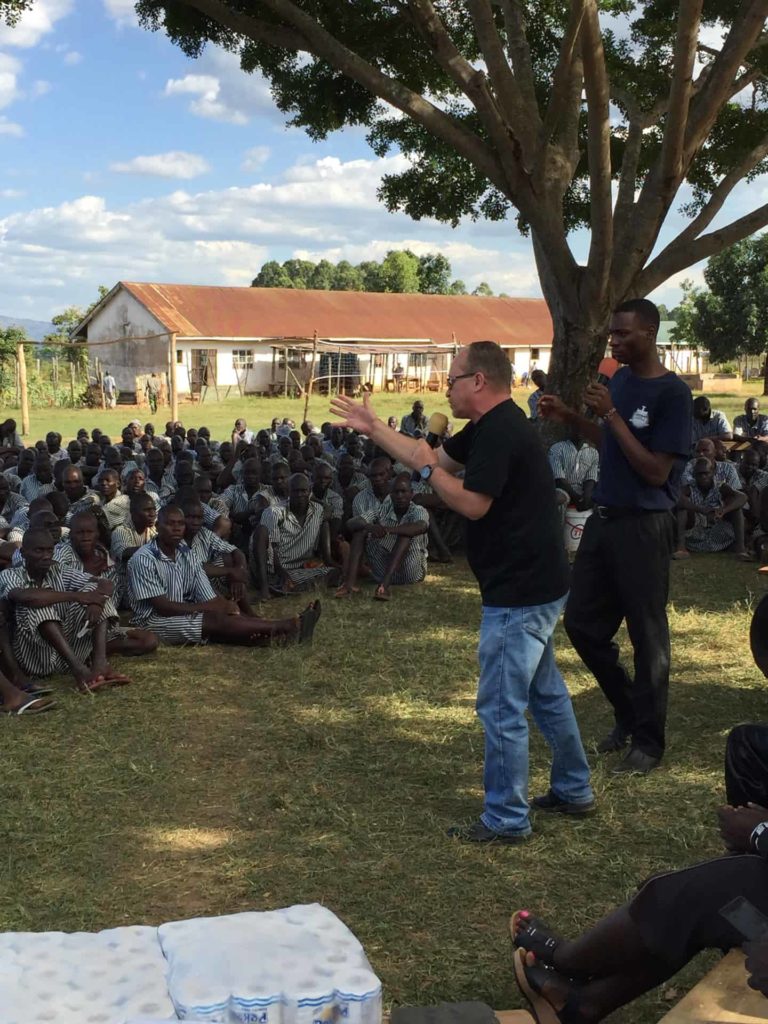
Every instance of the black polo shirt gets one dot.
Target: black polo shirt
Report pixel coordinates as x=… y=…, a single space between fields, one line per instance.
x=516 y=550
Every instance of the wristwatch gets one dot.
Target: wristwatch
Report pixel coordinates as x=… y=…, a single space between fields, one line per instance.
x=758 y=840
x=426 y=472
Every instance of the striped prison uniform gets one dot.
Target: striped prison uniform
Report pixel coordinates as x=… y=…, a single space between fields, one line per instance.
x=35 y=656
x=66 y=555
x=153 y=574
x=207 y=547
x=31 y=488
x=124 y=537
x=378 y=551
x=574 y=465
x=296 y=544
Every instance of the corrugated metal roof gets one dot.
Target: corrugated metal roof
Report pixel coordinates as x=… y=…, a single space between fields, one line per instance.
x=211 y=312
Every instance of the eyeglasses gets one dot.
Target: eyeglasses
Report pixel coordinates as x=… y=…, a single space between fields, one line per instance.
x=450 y=381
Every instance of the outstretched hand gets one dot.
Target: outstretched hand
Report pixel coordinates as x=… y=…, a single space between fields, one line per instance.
x=359 y=416
x=552 y=407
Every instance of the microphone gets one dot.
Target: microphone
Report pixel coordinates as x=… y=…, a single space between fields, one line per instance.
x=438 y=422
x=606 y=369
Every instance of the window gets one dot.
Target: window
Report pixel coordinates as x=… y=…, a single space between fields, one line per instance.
x=242 y=358
x=179 y=355
x=534 y=353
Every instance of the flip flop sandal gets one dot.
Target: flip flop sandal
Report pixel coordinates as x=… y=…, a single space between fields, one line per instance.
x=381 y=595
x=530 y=980
x=103 y=684
x=37 y=691
x=535 y=937
x=33 y=706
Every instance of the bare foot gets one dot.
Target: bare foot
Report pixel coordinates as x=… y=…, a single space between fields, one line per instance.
x=345 y=590
x=382 y=593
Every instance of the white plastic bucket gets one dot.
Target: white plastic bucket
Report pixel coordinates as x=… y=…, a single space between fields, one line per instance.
x=574 y=527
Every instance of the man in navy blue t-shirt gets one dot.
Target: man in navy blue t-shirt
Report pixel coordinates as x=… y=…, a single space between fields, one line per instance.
x=621 y=570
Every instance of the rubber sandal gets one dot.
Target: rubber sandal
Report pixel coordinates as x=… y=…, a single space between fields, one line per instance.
x=536 y=937
x=308 y=621
x=33 y=706
x=380 y=595
x=530 y=980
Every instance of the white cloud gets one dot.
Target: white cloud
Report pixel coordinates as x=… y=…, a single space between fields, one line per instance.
x=176 y=164
x=35 y=23
x=11 y=193
x=255 y=158
x=221 y=90
x=40 y=88
x=9 y=79
x=10 y=128
x=122 y=11
x=72 y=58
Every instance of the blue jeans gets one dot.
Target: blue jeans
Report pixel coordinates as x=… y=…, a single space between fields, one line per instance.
x=517 y=668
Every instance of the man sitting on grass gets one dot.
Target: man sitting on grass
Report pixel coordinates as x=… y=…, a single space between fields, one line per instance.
x=394 y=538
x=139 y=530
x=709 y=517
x=171 y=595
x=224 y=564
x=291 y=550
x=84 y=552
x=61 y=617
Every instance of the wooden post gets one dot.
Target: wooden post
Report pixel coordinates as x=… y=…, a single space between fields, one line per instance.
x=311 y=375
x=338 y=374
x=72 y=381
x=285 y=354
x=174 y=383
x=21 y=362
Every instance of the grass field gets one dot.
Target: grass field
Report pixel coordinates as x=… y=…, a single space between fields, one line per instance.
x=234 y=779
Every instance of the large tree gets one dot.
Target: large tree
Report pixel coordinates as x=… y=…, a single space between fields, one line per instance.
x=582 y=113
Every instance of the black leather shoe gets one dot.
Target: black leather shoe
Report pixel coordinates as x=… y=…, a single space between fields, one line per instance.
x=552 y=803
x=637 y=762
x=616 y=740
x=478 y=833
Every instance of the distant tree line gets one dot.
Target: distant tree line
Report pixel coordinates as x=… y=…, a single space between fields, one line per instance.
x=400 y=271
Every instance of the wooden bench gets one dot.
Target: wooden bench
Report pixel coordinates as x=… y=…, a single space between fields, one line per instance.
x=721 y=997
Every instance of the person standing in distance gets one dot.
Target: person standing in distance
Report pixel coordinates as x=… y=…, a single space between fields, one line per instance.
x=515 y=549
x=622 y=565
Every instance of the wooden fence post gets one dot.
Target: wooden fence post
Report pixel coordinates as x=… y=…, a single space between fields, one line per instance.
x=174 y=385
x=21 y=362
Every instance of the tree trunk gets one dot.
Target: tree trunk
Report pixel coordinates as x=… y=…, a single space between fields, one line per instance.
x=765 y=375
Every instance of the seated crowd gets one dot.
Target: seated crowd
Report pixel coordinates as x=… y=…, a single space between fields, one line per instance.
x=113 y=548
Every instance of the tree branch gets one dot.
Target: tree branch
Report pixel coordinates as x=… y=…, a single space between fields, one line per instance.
x=718 y=87
x=562 y=77
x=598 y=147
x=630 y=162
x=716 y=201
x=678 y=256
x=521 y=112
x=519 y=50
x=317 y=41
x=671 y=157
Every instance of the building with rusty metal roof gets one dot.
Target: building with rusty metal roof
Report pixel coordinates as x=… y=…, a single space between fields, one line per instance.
x=260 y=340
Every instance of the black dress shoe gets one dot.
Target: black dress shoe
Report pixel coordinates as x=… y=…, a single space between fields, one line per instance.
x=637 y=762
x=477 y=832
x=552 y=803
x=616 y=740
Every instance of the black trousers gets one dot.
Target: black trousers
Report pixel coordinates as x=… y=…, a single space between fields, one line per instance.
x=621 y=572
x=746 y=765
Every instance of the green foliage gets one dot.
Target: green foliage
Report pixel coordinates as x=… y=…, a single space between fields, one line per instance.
x=12 y=10
x=731 y=318
x=399 y=271
x=483 y=289
x=9 y=339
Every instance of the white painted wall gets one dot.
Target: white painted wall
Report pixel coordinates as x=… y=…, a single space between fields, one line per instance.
x=124 y=318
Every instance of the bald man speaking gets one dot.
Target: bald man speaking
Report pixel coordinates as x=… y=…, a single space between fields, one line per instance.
x=515 y=549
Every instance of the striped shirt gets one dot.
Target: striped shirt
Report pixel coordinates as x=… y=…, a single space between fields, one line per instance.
x=207 y=547
x=14 y=504
x=296 y=542
x=14 y=480
x=744 y=427
x=66 y=555
x=237 y=499
x=59 y=577
x=574 y=465
x=32 y=488
x=332 y=503
x=127 y=536
x=358 y=480
x=758 y=481
x=153 y=574
x=413 y=567
x=84 y=504
x=725 y=473
x=716 y=426
x=366 y=501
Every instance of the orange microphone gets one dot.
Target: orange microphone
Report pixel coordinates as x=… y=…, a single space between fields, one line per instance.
x=606 y=369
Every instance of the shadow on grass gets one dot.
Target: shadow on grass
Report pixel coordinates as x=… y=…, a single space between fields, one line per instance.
x=232 y=779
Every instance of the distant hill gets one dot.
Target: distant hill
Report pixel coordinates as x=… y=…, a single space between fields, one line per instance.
x=36 y=329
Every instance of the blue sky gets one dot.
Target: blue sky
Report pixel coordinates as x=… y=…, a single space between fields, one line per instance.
x=121 y=158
